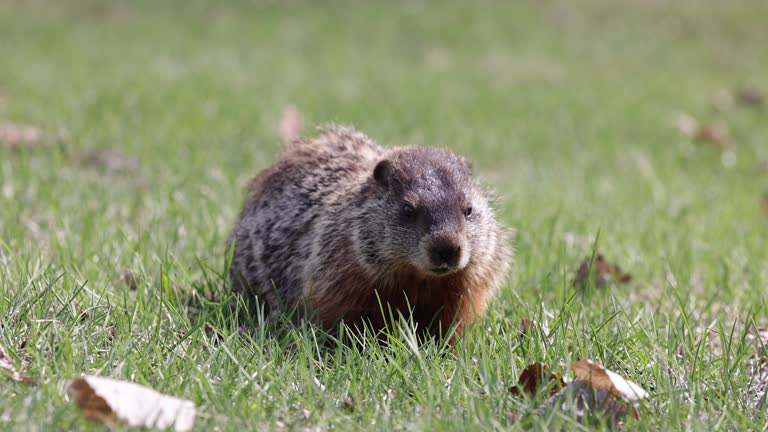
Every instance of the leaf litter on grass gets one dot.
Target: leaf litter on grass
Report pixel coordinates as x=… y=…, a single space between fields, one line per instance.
x=604 y=272
x=534 y=377
x=715 y=134
x=526 y=327
x=129 y=280
x=750 y=95
x=595 y=389
x=116 y=403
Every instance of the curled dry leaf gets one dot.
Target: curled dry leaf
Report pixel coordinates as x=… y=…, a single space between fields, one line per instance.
x=582 y=400
x=6 y=364
x=750 y=95
x=714 y=134
x=597 y=389
x=603 y=270
x=130 y=280
x=348 y=403
x=526 y=327
x=290 y=125
x=534 y=377
x=601 y=378
x=116 y=402
x=15 y=136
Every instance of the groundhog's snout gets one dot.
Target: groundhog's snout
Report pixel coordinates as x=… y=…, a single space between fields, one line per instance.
x=445 y=254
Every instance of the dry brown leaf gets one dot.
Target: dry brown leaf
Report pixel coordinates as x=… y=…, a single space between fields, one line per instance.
x=750 y=95
x=348 y=404
x=290 y=125
x=128 y=278
x=6 y=364
x=15 y=136
x=585 y=401
x=534 y=377
x=116 y=402
x=526 y=327
x=715 y=134
x=596 y=389
x=111 y=160
x=603 y=270
x=603 y=379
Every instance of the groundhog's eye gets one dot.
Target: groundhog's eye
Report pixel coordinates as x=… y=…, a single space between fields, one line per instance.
x=408 y=211
x=468 y=211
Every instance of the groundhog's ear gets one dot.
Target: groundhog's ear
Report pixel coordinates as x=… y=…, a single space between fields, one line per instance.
x=383 y=172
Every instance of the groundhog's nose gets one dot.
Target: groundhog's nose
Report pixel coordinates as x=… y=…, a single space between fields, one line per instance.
x=445 y=253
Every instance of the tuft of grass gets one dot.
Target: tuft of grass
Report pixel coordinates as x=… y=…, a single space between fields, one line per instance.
x=563 y=106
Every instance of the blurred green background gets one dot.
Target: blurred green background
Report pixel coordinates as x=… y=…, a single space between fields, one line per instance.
x=565 y=107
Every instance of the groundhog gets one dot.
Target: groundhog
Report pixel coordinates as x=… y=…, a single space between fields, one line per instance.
x=340 y=229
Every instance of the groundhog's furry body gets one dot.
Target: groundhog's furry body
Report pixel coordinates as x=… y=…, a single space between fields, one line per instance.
x=340 y=226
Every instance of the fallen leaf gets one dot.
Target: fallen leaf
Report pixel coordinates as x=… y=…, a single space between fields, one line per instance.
x=750 y=95
x=111 y=160
x=290 y=125
x=603 y=271
x=715 y=134
x=6 y=364
x=15 y=136
x=534 y=377
x=128 y=278
x=583 y=401
x=597 y=389
x=526 y=327
x=116 y=402
x=603 y=379
x=348 y=403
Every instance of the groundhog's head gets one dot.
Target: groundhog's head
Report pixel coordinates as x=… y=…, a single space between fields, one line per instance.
x=434 y=215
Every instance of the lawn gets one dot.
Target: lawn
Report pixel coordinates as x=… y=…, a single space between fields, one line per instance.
x=566 y=109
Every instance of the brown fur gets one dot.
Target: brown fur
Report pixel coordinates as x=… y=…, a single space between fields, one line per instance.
x=326 y=229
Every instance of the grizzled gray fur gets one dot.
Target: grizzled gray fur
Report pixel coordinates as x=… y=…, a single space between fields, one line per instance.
x=340 y=226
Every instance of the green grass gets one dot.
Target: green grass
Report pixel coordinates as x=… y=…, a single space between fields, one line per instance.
x=565 y=109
